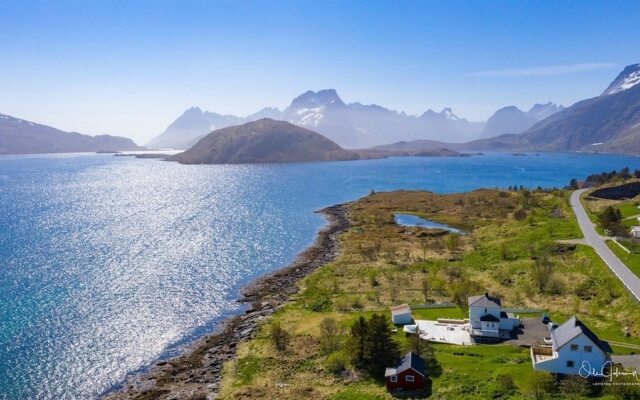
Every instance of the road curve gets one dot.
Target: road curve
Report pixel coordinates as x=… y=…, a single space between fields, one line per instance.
x=593 y=239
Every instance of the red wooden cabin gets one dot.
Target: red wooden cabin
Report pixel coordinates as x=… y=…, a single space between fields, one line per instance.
x=410 y=374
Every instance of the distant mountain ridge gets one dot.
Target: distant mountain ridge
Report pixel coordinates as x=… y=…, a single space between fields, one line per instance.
x=352 y=125
x=18 y=136
x=606 y=123
x=513 y=120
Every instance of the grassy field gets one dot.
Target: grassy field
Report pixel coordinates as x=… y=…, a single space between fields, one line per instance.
x=383 y=264
x=629 y=210
x=631 y=260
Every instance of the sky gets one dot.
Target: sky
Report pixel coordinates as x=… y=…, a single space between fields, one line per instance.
x=131 y=67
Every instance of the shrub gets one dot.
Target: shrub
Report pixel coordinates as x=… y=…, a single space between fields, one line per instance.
x=317 y=299
x=452 y=241
x=541 y=385
x=503 y=387
x=329 y=336
x=356 y=303
x=279 y=336
x=520 y=214
x=336 y=363
x=541 y=270
x=574 y=387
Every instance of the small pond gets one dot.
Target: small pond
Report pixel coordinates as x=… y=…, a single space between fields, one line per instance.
x=414 y=220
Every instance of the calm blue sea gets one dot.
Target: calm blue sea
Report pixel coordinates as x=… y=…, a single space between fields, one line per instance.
x=108 y=263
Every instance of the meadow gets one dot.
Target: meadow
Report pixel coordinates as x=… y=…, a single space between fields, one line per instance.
x=517 y=246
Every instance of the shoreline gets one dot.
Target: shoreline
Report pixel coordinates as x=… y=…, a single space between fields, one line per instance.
x=197 y=370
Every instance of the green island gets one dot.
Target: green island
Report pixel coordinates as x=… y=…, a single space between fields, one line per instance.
x=519 y=245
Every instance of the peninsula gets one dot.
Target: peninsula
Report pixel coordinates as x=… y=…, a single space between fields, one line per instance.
x=519 y=245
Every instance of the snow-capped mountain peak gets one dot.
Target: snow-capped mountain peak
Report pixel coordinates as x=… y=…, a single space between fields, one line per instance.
x=627 y=79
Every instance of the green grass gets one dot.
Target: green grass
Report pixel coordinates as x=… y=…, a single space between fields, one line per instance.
x=247 y=368
x=354 y=394
x=435 y=313
x=628 y=209
x=630 y=260
x=497 y=256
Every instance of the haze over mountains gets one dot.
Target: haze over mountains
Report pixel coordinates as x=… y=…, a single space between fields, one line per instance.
x=353 y=125
x=606 y=123
x=513 y=120
x=18 y=136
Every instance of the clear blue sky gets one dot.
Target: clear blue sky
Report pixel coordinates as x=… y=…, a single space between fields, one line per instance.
x=131 y=67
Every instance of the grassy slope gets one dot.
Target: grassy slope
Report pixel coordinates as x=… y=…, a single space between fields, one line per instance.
x=496 y=257
x=631 y=260
x=628 y=209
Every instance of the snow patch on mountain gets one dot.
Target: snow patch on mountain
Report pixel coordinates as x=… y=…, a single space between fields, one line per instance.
x=309 y=116
x=627 y=79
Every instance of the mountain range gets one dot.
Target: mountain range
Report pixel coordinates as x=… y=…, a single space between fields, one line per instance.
x=606 y=123
x=18 y=136
x=355 y=125
x=609 y=122
x=513 y=120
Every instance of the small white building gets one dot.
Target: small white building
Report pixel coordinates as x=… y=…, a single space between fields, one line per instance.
x=574 y=350
x=635 y=231
x=487 y=319
x=401 y=315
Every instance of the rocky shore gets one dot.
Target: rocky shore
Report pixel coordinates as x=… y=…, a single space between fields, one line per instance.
x=196 y=373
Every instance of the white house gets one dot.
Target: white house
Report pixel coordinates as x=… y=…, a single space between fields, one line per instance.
x=487 y=319
x=574 y=350
x=635 y=231
x=401 y=315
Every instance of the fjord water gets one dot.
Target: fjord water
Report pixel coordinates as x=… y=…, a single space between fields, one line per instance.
x=108 y=263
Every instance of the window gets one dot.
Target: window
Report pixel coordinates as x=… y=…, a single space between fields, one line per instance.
x=588 y=349
x=570 y=364
x=394 y=378
x=574 y=347
x=409 y=378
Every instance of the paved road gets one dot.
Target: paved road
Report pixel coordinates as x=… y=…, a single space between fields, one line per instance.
x=593 y=239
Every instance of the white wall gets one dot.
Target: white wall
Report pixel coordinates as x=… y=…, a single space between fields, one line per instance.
x=476 y=312
x=559 y=365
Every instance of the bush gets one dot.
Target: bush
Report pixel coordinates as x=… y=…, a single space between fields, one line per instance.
x=329 y=336
x=520 y=214
x=541 y=385
x=452 y=241
x=317 y=299
x=279 y=337
x=336 y=363
x=574 y=387
x=587 y=289
x=503 y=387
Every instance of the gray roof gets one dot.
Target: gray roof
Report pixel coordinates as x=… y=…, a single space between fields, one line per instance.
x=570 y=330
x=484 y=300
x=410 y=361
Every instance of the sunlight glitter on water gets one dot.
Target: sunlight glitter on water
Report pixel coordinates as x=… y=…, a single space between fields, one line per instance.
x=109 y=262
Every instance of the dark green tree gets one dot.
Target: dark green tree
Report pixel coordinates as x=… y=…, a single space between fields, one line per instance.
x=573 y=184
x=357 y=343
x=381 y=350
